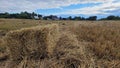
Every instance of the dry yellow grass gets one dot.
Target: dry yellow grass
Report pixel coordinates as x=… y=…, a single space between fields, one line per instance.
x=103 y=41
x=12 y=24
x=81 y=44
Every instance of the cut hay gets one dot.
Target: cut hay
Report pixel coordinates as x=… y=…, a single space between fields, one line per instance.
x=36 y=42
x=71 y=53
x=1 y=42
x=2 y=33
x=2 y=45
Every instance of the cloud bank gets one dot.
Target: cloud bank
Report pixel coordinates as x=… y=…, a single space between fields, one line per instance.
x=105 y=6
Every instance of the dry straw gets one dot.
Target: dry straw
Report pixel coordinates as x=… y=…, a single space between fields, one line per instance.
x=71 y=53
x=36 y=42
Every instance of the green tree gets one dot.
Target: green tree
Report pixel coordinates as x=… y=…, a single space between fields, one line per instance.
x=92 y=18
x=77 y=18
x=69 y=18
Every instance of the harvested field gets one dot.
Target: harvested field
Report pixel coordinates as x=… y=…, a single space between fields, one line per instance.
x=59 y=44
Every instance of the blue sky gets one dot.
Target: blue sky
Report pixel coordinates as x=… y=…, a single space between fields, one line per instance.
x=100 y=8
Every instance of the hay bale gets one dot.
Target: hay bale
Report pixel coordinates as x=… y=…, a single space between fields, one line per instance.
x=71 y=53
x=35 y=42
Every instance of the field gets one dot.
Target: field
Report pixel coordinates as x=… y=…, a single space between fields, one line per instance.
x=80 y=44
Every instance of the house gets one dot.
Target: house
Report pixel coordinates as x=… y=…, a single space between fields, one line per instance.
x=36 y=17
x=51 y=17
x=54 y=17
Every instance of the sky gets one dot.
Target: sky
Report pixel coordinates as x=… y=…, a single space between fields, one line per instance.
x=100 y=8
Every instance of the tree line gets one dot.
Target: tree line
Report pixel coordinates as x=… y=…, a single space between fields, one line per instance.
x=22 y=15
x=33 y=15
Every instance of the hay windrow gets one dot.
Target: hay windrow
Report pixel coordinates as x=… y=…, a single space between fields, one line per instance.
x=71 y=53
x=38 y=41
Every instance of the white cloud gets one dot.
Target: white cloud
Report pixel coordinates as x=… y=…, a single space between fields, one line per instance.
x=110 y=6
x=32 y=5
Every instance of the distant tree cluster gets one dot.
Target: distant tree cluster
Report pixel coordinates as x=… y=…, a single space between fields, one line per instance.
x=22 y=15
x=26 y=15
x=111 y=17
x=92 y=18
